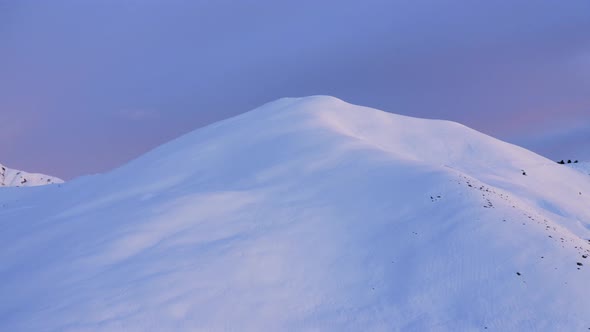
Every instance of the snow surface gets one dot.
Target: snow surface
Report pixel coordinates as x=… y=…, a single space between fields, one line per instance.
x=583 y=167
x=15 y=178
x=305 y=214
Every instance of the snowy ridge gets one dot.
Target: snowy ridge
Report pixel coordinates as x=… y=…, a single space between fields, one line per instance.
x=305 y=214
x=15 y=178
x=583 y=167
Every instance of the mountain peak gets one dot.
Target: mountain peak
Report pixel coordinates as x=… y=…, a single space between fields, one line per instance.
x=15 y=178
x=327 y=120
x=305 y=214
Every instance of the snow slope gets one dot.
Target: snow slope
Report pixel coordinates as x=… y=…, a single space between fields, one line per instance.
x=15 y=178
x=583 y=167
x=305 y=214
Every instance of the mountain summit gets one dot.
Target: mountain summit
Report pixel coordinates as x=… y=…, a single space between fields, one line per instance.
x=15 y=178
x=305 y=214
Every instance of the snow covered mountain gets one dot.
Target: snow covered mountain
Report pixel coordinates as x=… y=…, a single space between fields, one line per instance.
x=14 y=178
x=583 y=167
x=305 y=214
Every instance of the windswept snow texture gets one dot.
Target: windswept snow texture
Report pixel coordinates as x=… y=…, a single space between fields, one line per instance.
x=305 y=214
x=14 y=178
x=583 y=167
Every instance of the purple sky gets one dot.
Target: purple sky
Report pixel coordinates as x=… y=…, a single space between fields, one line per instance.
x=87 y=85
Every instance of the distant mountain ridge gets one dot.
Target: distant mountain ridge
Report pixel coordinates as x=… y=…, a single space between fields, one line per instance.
x=16 y=178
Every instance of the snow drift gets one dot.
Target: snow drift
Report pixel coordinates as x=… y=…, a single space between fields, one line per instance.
x=305 y=214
